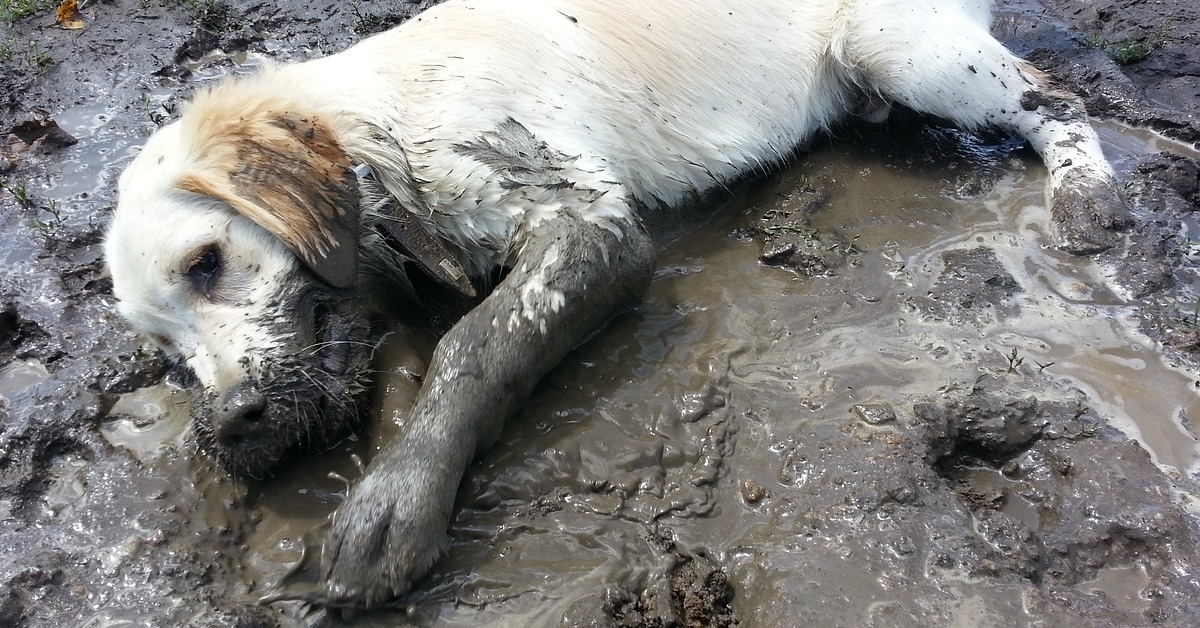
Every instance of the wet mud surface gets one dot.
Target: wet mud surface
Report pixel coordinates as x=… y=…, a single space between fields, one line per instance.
x=863 y=392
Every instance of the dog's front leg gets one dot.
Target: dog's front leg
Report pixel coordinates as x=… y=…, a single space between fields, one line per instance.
x=572 y=275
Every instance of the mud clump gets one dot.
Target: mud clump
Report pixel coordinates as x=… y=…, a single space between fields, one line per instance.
x=1165 y=190
x=787 y=239
x=991 y=427
x=244 y=616
x=16 y=332
x=973 y=284
x=699 y=597
x=1154 y=49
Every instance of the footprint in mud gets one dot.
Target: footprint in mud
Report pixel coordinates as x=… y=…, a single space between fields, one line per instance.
x=1056 y=497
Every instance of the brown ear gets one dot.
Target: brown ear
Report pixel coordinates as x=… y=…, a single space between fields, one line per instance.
x=287 y=173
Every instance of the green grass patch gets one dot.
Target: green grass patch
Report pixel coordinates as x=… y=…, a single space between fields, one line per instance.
x=13 y=10
x=1129 y=50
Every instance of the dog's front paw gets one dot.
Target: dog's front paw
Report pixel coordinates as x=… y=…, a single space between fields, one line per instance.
x=1088 y=213
x=386 y=535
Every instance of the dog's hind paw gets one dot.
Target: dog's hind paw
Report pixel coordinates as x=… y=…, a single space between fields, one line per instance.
x=386 y=535
x=1088 y=213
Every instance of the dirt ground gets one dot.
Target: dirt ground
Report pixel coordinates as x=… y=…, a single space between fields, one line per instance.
x=862 y=393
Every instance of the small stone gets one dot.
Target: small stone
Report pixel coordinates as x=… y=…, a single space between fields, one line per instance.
x=1011 y=469
x=874 y=413
x=904 y=546
x=1063 y=465
x=753 y=492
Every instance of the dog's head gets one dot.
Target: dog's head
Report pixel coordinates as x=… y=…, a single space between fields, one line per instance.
x=234 y=247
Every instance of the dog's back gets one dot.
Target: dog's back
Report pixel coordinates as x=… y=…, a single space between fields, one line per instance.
x=637 y=99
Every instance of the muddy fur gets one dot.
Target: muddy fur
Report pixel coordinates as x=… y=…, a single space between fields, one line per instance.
x=308 y=398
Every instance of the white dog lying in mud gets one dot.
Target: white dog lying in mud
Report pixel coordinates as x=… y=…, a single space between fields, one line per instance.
x=541 y=136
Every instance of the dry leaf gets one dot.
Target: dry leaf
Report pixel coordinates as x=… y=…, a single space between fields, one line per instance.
x=68 y=16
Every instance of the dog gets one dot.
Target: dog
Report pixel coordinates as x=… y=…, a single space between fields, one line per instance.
x=259 y=237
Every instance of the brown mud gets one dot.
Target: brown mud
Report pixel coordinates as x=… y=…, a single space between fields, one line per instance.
x=864 y=392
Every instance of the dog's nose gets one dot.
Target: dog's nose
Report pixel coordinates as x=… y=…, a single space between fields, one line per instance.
x=239 y=421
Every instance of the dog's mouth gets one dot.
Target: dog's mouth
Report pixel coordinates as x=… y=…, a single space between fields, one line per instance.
x=303 y=397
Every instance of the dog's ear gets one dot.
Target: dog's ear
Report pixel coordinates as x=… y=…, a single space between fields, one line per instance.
x=287 y=173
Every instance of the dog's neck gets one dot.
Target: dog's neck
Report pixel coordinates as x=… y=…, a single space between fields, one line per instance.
x=399 y=250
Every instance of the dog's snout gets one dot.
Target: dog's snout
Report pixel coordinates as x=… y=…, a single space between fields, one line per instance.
x=239 y=420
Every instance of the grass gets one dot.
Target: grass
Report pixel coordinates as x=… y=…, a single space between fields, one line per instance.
x=52 y=225
x=1091 y=41
x=32 y=53
x=152 y=111
x=48 y=219
x=210 y=14
x=13 y=10
x=1129 y=50
x=811 y=236
x=215 y=16
x=19 y=194
x=39 y=59
x=1014 y=361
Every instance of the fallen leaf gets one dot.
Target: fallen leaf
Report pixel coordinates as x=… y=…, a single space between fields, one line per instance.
x=68 y=16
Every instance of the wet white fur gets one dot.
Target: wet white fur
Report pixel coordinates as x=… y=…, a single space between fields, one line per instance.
x=156 y=234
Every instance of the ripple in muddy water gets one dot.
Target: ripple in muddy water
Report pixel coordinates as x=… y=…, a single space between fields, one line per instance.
x=17 y=377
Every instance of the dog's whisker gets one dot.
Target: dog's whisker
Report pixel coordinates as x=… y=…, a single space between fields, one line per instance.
x=306 y=423
x=332 y=343
x=328 y=391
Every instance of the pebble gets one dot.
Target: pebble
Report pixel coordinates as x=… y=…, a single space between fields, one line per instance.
x=874 y=413
x=753 y=492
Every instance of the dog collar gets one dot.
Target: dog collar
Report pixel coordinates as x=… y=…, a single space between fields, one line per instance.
x=414 y=241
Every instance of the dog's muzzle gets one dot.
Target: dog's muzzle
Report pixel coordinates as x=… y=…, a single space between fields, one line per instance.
x=301 y=394
x=240 y=422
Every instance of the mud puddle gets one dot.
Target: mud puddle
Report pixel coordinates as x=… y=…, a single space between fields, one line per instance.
x=908 y=422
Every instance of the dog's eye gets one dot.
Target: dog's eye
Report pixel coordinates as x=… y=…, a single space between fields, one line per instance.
x=204 y=270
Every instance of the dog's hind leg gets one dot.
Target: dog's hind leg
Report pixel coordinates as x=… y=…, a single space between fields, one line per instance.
x=572 y=274
x=946 y=64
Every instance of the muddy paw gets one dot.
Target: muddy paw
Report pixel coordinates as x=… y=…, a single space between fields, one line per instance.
x=1088 y=213
x=385 y=536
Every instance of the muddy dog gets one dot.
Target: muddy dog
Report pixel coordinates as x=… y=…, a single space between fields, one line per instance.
x=255 y=236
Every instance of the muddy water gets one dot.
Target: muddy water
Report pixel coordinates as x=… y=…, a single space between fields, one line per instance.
x=689 y=413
